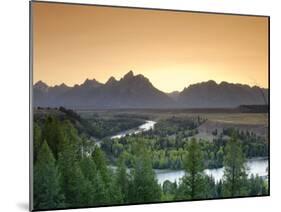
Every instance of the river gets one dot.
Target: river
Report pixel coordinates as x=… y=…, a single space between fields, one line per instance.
x=254 y=166
x=144 y=127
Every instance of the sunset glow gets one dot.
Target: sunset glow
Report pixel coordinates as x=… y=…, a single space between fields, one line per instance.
x=172 y=49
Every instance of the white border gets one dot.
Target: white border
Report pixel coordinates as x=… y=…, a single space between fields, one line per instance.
x=14 y=88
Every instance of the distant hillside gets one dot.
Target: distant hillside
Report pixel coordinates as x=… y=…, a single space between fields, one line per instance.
x=174 y=95
x=224 y=95
x=82 y=125
x=136 y=91
x=93 y=126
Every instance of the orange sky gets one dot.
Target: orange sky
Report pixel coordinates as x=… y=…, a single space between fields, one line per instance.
x=172 y=49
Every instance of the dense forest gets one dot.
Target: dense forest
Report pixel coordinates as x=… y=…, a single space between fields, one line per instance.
x=94 y=126
x=168 y=144
x=71 y=170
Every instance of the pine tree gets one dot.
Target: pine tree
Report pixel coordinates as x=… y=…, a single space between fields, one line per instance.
x=235 y=170
x=101 y=196
x=192 y=185
x=145 y=187
x=100 y=161
x=105 y=192
x=89 y=171
x=122 y=180
x=63 y=140
x=47 y=190
x=54 y=135
x=73 y=182
x=98 y=192
x=257 y=185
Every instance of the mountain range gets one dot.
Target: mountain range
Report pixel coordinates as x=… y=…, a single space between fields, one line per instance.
x=136 y=91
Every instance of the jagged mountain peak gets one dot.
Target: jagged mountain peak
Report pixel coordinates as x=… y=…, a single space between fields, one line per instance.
x=136 y=91
x=42 y=86
x=111 y=80
x=40 y=83
x=63 y=85
x=129 y=75
x=91 y=83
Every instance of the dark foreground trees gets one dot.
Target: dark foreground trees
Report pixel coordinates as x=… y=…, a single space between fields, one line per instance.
x=47 y=189
x=197 y=185
x=122 y=180
x=235 y=176
x=69 y=172
x=236 y=181
x=192 y=184
x=75 y=178
x=145 y=187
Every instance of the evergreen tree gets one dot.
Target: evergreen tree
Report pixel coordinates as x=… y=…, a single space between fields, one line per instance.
x=210 y=190
x=89 y=171
x=100 y=161
x=235 y=170
x=107 y=192
x=70 y=135
x=145 y=187
x=122 y=180
x=98 y=191
x=257 y=186
x=192 y=185
x=54 y=135
x=73 y=182
x=47 y=190
x=101 y=196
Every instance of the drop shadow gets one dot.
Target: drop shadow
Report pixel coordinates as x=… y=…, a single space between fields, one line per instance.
x=23 y=206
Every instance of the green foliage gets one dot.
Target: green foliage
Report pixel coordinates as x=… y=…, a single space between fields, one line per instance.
x=100 y=162
x=47 y=190
x=175 y=125
x=144 y=183
x=73 y=181
x=71 y=171
x=235 y=170
x=164 y=153
x=103 y=127
x=122 y=180
x=168 y=150
x=54 y=135
x=89 y=171
x=194 y=158
x=257 y=186
x=252 y=145
x=169 y=190
x=83 y=126
x=192 y=185
x=98 y=190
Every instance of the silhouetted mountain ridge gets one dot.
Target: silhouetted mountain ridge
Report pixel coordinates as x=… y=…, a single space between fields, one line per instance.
x=210 y=95
x=136 y=91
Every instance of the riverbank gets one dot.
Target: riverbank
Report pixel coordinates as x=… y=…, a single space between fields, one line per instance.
x=255 y=166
